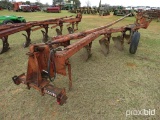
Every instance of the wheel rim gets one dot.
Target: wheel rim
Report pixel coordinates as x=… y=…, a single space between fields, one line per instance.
x=9 y=23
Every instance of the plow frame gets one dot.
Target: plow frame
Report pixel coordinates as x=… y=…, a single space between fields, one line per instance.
x=6 y=30
x=46 y=60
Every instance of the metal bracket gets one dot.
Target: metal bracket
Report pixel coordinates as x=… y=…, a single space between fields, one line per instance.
x=28 y=39
x=5 y=46
x=59 y=32
x=45 y=33
x=118 y=42
x=69 y=75
x=70 y=30
x=76 y=26
x=104 y=43
x=88 y=51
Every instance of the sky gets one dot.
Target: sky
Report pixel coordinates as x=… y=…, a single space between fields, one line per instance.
x=152 y=3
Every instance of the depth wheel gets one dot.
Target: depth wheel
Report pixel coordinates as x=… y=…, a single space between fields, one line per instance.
x=134 y=42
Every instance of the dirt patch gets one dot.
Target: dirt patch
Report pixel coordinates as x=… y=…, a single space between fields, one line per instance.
x=1 y=60
x=54 y=113
x=133 y=83
x=131 y=64
x=147 y=59
x=114 y=102
x=2 y=93
x=17 y=91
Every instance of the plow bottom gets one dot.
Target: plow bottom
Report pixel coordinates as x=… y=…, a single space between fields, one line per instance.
x=104 y=43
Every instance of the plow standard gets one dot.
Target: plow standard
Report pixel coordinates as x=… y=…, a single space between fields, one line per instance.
x=46 y=60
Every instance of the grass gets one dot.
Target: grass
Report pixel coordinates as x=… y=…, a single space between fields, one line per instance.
x=104 y=88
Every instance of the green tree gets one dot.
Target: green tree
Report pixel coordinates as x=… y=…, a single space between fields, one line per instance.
x=60 y=1
x=46 y=4
x=40 y=4
x=5 y=4
x=76 y=3
x=54 y=2
x=88 y=3
x=100 y=3
x=28 y=2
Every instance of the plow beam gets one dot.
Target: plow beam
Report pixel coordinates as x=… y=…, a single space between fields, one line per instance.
x=65 y=38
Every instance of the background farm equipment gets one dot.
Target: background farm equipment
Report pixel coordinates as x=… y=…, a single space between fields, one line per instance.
x=53 y=9
x=49 y=59
x=85 y=10
x=121 y=11
x=19 y=6
x=6 y=30
x=153 y=13
x=11 y=19
x=35 y=8
x=104 y=10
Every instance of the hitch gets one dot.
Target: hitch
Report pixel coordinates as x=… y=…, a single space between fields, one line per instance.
x=45 y=88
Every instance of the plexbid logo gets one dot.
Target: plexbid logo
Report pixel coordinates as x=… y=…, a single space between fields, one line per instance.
x=141 y=112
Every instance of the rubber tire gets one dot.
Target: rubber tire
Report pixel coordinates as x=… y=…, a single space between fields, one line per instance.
x=134 y=42
x=7 y=21
x=24 y=21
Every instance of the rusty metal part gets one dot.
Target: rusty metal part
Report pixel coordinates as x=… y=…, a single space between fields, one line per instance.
x=64 y=38
x=70 y=30
x=104 y=43
x=88 y=51
x=6 y=30
x=45 y=33
x=44 y=88
x=141 y=22
x=118 y=42
x=28 y=39
x=5 y=45
x=47 y=60
x=37 y=73
x=59 y=32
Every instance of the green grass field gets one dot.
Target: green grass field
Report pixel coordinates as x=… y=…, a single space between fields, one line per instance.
x=104 y=88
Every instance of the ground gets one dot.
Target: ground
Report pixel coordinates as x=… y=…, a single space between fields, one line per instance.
x=104 y=88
